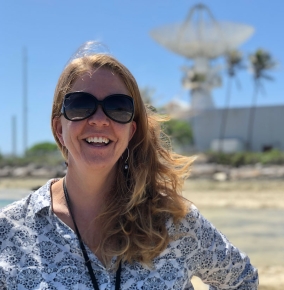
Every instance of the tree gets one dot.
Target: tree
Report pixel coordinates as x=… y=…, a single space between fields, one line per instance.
x=261 y=61
x=179 y=131
x=42 y=148
x=234 y=62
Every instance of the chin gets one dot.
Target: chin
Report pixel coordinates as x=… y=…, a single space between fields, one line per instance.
x=101 y=165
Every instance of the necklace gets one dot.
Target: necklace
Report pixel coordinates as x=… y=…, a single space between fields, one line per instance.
x=84 y=252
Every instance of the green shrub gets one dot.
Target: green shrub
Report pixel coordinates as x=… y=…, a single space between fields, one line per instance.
x=42 y=148
x=247 y=158
x=44 y=153
x=179 y=131
x=44 y=160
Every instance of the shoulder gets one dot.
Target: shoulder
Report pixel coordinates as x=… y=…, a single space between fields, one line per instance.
x=194 y=235
x=192 y=223
x=22 y=221
x=209 y=254
x=19 y=210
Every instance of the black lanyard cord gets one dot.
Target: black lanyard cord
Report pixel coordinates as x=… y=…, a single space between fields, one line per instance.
x=82 y=246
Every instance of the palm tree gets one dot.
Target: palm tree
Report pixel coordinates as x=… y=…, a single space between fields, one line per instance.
x=234 y=62
x=261 y=61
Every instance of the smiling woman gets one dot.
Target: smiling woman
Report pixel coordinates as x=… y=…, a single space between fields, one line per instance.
x=107 y=116
x=117 y=219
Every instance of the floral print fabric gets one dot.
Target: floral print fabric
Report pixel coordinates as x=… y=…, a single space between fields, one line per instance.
x=38 y=251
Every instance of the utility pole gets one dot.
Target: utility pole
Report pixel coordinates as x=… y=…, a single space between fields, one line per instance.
x=14 y=136
x=25 y=101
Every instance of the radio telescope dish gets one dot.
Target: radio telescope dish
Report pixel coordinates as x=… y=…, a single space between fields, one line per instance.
x=201 y=38
x=200 y=35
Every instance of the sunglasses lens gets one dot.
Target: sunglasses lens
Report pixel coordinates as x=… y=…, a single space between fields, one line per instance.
x=119 y=108
x=79 y=106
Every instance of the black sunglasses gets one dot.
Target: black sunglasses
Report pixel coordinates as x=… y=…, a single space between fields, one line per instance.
x=78 y=106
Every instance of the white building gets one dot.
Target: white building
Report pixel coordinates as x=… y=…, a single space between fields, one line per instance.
x=268 y=129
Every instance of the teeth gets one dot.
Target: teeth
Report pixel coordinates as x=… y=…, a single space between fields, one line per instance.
x=97 y=140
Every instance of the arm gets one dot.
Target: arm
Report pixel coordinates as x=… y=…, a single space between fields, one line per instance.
x=217 y=262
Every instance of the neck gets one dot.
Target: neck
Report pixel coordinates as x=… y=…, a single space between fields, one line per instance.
x=87 y=191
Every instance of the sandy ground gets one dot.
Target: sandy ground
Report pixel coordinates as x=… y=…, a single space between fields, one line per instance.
x=242 y=194
x=26 y=184
x=249 y=213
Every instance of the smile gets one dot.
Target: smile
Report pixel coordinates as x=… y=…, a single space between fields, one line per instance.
x=98 y=140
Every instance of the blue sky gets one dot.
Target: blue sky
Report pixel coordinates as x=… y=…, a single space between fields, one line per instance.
x=52 y=30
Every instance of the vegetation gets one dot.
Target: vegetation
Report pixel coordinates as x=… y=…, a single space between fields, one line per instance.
x=180 y=134
x=234 y=62
x=42 y=148
x=273 y=157
x=44 y=153
x=261 y=62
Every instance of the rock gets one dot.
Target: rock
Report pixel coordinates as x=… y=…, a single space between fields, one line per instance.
x=220 y=176
x=5 y=171
x=273 y=171
x=43 y=172
x=202 y=170
x=20 y=171
x=245 y=172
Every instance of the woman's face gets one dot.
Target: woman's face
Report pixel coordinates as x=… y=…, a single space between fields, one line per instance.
x=96 y=142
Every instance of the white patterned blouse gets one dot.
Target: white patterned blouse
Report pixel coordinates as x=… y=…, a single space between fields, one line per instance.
x=39 y=251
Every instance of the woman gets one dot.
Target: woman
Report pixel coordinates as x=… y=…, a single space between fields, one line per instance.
x=117 y=219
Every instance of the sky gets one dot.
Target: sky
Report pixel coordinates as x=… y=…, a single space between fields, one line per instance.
x=52 y=30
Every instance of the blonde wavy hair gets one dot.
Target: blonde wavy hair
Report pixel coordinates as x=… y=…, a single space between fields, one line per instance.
x=135 y=217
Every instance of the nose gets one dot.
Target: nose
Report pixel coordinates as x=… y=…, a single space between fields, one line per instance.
x=99 y=118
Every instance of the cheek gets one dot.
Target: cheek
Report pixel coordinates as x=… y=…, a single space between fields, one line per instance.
x=68 y=129
x=122 y=132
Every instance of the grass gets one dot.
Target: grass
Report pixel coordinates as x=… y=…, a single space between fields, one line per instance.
x=273 y=157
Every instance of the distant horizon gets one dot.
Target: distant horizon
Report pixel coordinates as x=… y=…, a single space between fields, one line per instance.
x=188 y=109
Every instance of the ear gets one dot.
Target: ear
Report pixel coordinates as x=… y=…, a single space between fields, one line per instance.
x=57 y=128
x=132 y=130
